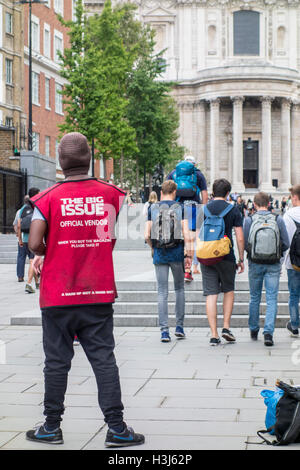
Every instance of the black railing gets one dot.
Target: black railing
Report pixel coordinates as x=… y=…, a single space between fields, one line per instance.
x=13 y=187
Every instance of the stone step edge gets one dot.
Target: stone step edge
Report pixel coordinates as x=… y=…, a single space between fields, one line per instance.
x=152 y=320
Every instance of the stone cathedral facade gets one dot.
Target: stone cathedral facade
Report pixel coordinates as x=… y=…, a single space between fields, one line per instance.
x=236 y=66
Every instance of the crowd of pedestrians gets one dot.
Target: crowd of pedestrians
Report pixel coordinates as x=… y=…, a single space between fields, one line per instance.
x=185 y=229
x=268 y=237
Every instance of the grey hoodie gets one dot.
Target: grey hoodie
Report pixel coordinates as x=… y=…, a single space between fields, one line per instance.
x=289 y=216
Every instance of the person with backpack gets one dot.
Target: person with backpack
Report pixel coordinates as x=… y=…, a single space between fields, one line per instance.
x=266 y=240
x=217 y=259
x=23 y=227
x=191 y=191
x=167 y=233
x=73 y=228
x=292 y=259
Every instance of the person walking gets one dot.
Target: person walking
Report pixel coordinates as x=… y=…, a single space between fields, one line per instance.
x=266 y=239
x=167 y=233
x=292 y=259
x=23 y=219
x=191 y=191
x=20 y=264
x=220 y=277
x=73 y=228
x=152 y=200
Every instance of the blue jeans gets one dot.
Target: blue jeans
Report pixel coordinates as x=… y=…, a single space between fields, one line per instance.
x=162 y=276
x=23 y=252
x=294 y=289
x=270 y=275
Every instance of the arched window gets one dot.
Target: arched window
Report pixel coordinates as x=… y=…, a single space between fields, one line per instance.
x=246 y=32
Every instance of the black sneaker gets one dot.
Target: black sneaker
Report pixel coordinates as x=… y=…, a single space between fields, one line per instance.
x=254 y=335
x=294 y=333
x=268 y=339
x=127 y=438
x=41 y=435
x=214 y=341
x=226 y=334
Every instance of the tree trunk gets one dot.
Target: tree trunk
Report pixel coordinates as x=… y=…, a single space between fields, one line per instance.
x=122 y=170
x=137 y=182
x=150 y=183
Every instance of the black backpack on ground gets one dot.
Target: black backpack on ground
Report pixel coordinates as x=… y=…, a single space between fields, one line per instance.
x=26 y=217
x=295 y=248
x=166 y=228
x=287 y=425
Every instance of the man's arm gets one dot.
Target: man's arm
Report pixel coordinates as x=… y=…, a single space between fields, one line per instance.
x=19 y=233
x=188 y=238
x=241 y=247
x=204 y=196
x=147 y=233
x=246 y=230
x=285 y=241
x=37 y=233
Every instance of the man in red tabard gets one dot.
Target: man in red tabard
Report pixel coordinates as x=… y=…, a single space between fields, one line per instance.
x=73 y=228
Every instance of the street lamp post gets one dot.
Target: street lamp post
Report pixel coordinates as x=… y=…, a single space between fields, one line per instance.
x=30 y=2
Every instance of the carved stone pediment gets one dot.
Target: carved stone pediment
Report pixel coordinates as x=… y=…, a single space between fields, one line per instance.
x=159 y=14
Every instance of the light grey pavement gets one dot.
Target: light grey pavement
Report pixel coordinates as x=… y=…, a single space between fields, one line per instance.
x=181 y=395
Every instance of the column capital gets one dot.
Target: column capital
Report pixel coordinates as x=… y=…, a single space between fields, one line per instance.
x=295 y=105
x=266 y=100
x=215 y=102
x=286 y=102
x=185 y=104
x=200 y=103
x=237 y=99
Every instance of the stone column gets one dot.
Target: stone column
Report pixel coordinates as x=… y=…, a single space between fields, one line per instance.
x=199 y=139
x=214 y=139
x=237 y=137
x=285 y=178
x=295 y=131
x=265 y=158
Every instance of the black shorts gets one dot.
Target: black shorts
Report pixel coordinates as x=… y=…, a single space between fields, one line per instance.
x=218 y=278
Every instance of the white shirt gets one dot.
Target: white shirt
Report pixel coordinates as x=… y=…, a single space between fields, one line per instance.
x=289 y=217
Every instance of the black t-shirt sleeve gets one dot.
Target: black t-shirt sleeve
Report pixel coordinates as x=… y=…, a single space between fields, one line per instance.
x=237 y=218
x=201 y=181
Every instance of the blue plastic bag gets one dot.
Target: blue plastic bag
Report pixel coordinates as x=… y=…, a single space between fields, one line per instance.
x=271 y=398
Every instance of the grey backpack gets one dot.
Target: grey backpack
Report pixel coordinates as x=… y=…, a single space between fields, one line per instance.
x=264 y=245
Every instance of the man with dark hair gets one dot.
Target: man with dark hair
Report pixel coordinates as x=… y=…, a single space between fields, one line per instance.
x=25 y=214
x=167 y=233
x=73 y=227
x=220 y=277
x=266 y=239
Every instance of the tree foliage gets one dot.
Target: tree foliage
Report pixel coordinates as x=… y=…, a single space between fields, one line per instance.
x=115 y=94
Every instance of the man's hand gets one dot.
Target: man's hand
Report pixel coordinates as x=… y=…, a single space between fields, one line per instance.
x=38 y=264
x=240 y=267
x=188 y=262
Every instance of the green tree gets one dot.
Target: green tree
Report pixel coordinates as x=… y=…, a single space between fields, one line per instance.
x=96 y=66
x=153 y=114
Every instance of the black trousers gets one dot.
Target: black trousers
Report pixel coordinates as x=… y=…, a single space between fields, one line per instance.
x=93 y=324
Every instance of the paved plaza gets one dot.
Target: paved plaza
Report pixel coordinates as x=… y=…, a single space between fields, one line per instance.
x=181 y=395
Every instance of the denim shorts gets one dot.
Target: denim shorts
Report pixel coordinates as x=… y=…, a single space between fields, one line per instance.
x=218 y=278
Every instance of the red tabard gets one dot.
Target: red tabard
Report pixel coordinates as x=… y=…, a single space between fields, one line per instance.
x=78 y=265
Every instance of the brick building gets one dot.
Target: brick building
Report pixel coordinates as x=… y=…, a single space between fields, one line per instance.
x=48 y=36
x=11 y=74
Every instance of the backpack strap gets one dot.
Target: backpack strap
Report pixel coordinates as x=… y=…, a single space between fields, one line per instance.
x=207 y=212
x=264 y=440
x=296 y=223
x=226 y=210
